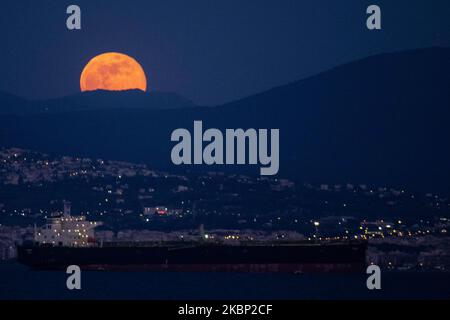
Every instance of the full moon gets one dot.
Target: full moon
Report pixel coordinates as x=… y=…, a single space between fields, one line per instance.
x=113 y=71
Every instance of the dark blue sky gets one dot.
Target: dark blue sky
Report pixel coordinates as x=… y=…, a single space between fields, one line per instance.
x=209 y=51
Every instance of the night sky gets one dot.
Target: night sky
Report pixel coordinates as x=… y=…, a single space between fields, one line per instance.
x=209 y=51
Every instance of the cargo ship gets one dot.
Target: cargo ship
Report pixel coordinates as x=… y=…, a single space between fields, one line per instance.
x=69 y=240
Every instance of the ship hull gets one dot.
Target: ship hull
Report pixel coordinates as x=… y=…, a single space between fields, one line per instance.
x=293 y=258
x=231 y=267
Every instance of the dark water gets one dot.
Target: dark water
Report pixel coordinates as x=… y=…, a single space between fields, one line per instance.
x=17 y=282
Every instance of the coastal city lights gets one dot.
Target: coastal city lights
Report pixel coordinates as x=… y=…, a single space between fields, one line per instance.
x=136 y=202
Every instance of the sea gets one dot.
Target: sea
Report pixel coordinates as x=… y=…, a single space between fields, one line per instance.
x=17 y=282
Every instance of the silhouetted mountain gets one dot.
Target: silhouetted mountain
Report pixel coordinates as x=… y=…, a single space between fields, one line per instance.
x=94 y=100
x=381 y=120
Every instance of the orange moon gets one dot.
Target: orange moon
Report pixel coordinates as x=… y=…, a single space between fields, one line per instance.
x=113 y=71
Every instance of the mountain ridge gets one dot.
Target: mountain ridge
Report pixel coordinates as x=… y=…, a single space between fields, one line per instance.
x=93 y=100
x=381 y=120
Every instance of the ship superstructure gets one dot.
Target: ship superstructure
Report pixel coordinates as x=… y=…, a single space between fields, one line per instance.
x=65 y=230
